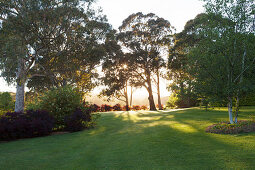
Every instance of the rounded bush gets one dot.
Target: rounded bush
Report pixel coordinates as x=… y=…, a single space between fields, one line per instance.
x=61 y=102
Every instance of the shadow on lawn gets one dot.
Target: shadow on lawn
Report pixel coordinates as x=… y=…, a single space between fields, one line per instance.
x=136 y=140
x=194 y=146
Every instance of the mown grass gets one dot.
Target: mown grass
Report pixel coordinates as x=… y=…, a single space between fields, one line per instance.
x=138 y=140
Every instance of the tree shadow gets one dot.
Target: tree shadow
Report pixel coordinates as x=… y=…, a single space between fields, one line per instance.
x=135 y=140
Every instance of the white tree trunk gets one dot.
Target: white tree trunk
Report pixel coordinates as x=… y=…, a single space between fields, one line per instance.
x=230 y=111
x=20 y=96
x=20 y=88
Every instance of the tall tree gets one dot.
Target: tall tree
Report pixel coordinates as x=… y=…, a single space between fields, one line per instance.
x=143 y=37
x=116 y=74
x=223 y=60
x=47 y=37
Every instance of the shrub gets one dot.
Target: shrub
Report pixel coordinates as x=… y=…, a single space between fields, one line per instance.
x=78 y=121
x=117 y=107
x=16 y=125
x=143 y=107
x=94 y=108
x=227 y=128
x=61 y=102
x=136 y=107
x=181 y=101
x=126 y=108
x=105 y=108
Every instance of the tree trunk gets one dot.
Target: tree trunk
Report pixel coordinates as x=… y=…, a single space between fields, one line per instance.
x=230 y=112
x=158 y=89
x=20 y=89
x=237 y=108
x=131 y=97
x=20 y=97
x=126 y=96
x=151 y=99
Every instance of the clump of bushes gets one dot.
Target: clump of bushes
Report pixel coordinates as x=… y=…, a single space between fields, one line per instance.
x=117 y=107
x=94 y=108
x=78 y=121
x=136 y=107
x=106 y=108
x=16 y=125
x=126 y=108
x=61 y=102
x=143 y=107
x=227 y=128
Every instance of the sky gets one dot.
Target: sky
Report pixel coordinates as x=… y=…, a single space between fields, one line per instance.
x=178 y=12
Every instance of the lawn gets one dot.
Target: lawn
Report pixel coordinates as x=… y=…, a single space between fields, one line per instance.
x=138 y=140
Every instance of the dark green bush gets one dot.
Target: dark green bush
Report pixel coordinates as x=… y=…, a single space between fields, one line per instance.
x=61 y=102
x=227 y=128
x=248 y=100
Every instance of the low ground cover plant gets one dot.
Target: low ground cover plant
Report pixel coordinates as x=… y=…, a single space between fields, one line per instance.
x=241 y=126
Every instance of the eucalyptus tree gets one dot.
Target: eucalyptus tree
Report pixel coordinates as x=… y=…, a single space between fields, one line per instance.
x=222 y=63
x=53 y=38
x=142 y=37
x=116 y=73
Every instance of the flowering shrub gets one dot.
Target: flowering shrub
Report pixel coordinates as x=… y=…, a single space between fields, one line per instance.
x=16 y=125
x=227 y=128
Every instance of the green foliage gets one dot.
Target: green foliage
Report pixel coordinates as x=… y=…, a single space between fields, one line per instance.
x=6 y=103
x=248 y=100
x=172 y=101
x=177 y=100
x=60 y=102
x=50 y=43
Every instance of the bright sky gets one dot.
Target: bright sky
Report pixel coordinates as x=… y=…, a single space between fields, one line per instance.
x=178 y=12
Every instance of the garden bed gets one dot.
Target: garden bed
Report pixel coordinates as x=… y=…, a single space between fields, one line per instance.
x=242 y=126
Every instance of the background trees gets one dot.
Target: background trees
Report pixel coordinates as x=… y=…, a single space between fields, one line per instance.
x=143 y=38
x=59 y=40
x=222 y=61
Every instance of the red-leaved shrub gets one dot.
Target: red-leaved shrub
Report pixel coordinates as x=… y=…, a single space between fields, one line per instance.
x=16 y=125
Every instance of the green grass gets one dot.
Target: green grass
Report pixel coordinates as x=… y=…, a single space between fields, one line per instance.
x=138 y=140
